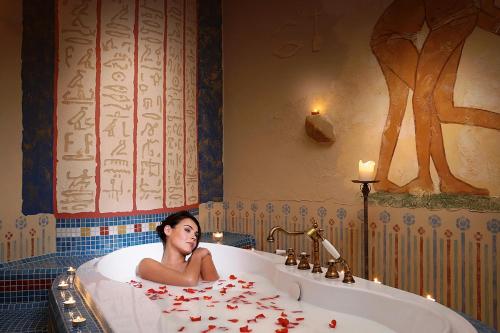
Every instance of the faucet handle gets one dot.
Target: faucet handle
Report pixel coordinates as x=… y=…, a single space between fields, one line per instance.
x=290 y=258
x=332 y=272
x=303 y=263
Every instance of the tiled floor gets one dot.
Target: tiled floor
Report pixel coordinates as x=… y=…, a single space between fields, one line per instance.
x=24 y=318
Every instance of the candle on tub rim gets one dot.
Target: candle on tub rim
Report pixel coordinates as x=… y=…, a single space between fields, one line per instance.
x=78 y=320
x=62 y=285
x=429 y=297
x=71 y=270
x=70 y=302
x=366 y=170
x=377 y=281
x=217 y=236
x=315 y=112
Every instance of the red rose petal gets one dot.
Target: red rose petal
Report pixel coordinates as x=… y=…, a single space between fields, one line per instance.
x=283 y=322
x=195 y=318
x=282 y=330
x=233 y=320
x=283 y=314
x=232 y=277
x=245 y=329
x=181 y=329
x=232 y=307
x=212 y=318
x=299 y=319
x=333 y=323
x=260 y=316
x=207 y=297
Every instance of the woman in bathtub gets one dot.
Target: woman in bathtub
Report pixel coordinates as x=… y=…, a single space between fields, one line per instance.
x=180 y=234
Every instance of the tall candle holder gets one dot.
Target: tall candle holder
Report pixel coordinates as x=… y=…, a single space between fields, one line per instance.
x=365 y=190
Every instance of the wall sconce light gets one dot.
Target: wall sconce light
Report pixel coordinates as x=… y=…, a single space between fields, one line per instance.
x=319 y=127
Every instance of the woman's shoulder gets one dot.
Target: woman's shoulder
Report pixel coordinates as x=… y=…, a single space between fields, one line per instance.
x=145 y=264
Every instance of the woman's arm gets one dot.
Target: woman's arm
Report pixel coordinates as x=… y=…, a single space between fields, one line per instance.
x=152 y=270
x=208 y=270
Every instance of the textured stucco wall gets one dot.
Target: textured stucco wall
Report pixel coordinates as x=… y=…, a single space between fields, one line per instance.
x=267 y=154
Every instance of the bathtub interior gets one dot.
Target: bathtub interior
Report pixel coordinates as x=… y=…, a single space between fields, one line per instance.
x=121 y=265
x=394 y=309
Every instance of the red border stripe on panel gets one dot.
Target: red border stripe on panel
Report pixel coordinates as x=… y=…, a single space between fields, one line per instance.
x=98 y=109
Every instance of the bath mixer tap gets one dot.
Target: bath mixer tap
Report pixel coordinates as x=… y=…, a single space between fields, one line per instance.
x=315 y=234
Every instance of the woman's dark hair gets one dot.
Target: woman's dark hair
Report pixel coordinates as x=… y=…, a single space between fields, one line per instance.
x=172 y=221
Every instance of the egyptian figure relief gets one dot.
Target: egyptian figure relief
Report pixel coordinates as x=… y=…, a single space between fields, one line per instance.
x=126 y=105
x=431 y=74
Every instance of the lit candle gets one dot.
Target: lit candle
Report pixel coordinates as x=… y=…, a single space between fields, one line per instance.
x=217 y=236
x=377 y=281
x=315 y=112
x=70 y=302
x=71 y=270
x=78 y=320
x=62 y=285
x=366 y=170
x=429 y=297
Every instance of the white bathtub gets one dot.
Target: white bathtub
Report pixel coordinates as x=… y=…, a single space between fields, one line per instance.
x=360 y=307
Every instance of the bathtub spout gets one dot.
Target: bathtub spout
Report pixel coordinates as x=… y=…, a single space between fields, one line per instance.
x=270 y=237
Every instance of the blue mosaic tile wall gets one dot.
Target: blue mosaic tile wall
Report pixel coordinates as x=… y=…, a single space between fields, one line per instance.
x=109 y=233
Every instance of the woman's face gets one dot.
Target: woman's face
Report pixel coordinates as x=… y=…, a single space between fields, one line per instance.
x=183 y=236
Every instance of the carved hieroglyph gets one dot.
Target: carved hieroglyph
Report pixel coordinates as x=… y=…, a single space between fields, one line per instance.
x=126 y=106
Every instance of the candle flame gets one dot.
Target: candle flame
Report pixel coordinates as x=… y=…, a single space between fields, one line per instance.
x=429 y=297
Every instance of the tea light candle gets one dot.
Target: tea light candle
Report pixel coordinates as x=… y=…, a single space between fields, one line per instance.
x=377 y=281
x=71 y=270
x=78 y=321
x=429 y=297
x=70 y=303
x=315 y=112
x=217 y=236
x=62 y=285
x=366 y=170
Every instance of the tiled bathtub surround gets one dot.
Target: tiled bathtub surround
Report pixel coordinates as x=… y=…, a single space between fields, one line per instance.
x=108 y=233
x=450 y=255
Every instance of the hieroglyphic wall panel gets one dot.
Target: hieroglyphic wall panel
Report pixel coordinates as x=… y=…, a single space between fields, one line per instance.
x=150 y=118
x=127 y=106
x=190 y=101
x=175 y=186
x=76 y=86
x=116 y=117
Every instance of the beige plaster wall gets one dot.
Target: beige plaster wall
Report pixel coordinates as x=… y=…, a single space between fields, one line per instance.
x=10 y=109
x=267 y=155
